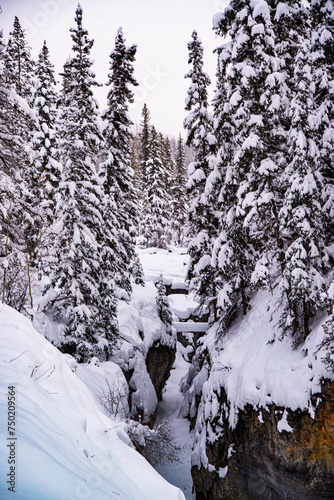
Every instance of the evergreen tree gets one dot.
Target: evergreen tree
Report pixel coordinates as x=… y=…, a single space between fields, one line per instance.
x=143 y=157
x=163 y=307
x=230 y=253
x=135 y=165
x=202 y=221
x=116 y=170
x=19 y=64
x=19 y=75
x=179 y=221
x=80 y=296
x=261 y=91
x=155 y=223
x=16 y=213
x=144 y=138
x=322 y=17
x=168 y=177
x=267 y=180
x=249 y=101
x=47 y=168
x=302 y=218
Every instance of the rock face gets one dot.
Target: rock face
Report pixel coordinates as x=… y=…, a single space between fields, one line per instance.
x=159 y=361
x=255 y=461
x=152 y=377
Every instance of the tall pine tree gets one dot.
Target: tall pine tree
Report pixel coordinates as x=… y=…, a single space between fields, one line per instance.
x=16 y=211
x=322 y=18
x=302 y=218
x=75 y=262
x=179 y=218
x=116 y=170
x=144 y=138
x=202 y=221
x=47 y=167
x=19 y=70
x=143 y=157
x=155 y=223
x=249 y=98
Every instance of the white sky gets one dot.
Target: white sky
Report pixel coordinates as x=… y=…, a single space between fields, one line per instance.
x=160 y=28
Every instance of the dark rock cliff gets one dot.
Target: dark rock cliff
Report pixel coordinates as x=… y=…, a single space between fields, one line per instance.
x=255 y=461
x=159 y=361
x=158 y=364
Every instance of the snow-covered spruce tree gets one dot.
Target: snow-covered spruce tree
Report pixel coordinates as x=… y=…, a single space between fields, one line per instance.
x=260 y=140
x=19 y=70
x=155 y=222
x=284 y=16
x=168 y=177
x=289 y=34
x=19 y=75
x=143 y=157
x=302 y=219
x=305 y=123
x=136 y=167
x=202 y=220
x=163 y=307
x=16 y=212
x=78 y=294
x=47 y=168
x=230 y=251
x=116 y=170
x=322 y=18
x=252 y=85
x=44 y=172
x=144 y=138
x=179 y=217
x=168 y=162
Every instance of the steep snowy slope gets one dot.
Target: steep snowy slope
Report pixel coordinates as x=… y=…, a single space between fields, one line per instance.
x=255 y=365
x=65 y=448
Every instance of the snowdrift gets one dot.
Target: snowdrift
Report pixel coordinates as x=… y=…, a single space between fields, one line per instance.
x=255 y=365
x=66 y=449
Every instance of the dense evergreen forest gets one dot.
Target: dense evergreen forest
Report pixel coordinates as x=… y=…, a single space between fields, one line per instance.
x=249 y=193
x=76 y=193
x=78 y=188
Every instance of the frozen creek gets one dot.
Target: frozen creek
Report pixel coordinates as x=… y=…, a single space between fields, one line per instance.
x=176 y=471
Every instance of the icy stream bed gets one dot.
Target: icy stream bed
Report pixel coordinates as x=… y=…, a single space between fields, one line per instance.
x=177 y=472
x=172 y=266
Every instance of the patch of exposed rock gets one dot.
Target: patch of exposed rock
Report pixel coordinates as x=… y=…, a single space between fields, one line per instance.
x=260 y=459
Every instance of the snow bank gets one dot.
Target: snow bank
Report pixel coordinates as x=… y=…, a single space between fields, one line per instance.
x=140 y=327
x=174 y=264
x=182 y=306
x=254 y=365
x=66 y=448
x=258 y=367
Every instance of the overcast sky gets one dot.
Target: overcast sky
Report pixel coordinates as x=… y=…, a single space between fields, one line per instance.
x=160 y=28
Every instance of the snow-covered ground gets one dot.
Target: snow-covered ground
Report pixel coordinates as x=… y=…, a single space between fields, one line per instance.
x=182 y=305
x=172 y=264
x=65 y=447
x=257 y=365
